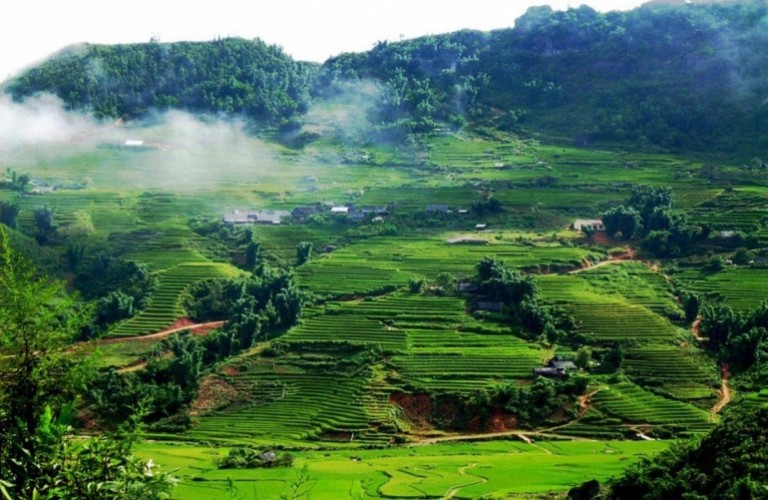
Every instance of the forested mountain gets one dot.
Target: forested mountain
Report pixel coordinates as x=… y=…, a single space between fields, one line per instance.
x=231 y=76
x=689 y=77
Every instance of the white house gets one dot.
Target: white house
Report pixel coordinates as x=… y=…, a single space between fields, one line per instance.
x=593 y=224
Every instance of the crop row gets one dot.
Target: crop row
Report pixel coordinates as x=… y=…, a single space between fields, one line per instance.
x=165 y=302
x=634 y=404
x=309 y=405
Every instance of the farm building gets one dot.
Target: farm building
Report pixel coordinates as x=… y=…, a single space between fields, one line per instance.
x=133 y=143
x=556 y=367
x=588 y=224
x=374 y=210
x=340 y=210
x=301 y=213
x=490 y=306
x=443 y=209
x=481 y=226
x=727 y=234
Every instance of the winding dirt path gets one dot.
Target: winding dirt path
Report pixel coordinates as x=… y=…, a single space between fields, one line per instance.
x=525 y=436
x=585 y=401
x=196 y=328
x=695 y=330
x=463 y=472
x=725 y=391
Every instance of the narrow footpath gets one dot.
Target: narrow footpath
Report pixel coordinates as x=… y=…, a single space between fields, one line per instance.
x=725 y=391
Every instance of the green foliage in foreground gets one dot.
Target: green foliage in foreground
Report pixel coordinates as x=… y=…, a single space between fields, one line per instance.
x=38 y=456
x=731 y=462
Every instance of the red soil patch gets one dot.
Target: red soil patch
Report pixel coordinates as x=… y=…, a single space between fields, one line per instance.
x=501 y=421
x=214 y=393
x=601 y=238
x=180 y=323
x=230 y=370
x=416 y=407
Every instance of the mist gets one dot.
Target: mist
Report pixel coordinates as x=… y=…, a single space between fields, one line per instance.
x=39 y=120
x=348 y=112
x=172 y=150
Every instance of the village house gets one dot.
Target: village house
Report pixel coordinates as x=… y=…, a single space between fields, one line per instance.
x=443 y=209
x=489 y=306
x=42 y=189
x=557 y=367
x=301 y=213
x=588 y=224
x=467 y=286
x=382 y=211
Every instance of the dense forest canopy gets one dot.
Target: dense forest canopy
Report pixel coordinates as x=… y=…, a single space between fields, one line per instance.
x=687 y=77
x=232 y=76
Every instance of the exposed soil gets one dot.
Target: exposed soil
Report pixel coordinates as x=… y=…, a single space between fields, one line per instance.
x=214 y=393
x=417 y=408
x=178 y=326
x=695 y=330
x=585 y=402
x=500 y=421
x=725 y=391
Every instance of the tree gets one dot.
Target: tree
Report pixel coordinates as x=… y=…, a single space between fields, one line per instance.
x=621 y=219
x=691 y=305
x=730 y=462
x=647 y=199
x=74 y=255
x=303 y=252
x=583 y=357
x=35 y=324
x=44 y=223
x=252 y=250
x=741 y=256
x=8 y=213
x=38 y=383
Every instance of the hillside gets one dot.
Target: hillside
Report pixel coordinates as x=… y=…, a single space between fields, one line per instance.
x=472 y=265
x=685 y=77
x=690 y=76
x=231 y=76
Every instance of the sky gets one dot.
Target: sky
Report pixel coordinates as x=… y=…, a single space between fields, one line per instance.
x=308 y=30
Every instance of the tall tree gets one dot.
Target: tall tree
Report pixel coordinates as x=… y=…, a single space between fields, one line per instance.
x=8 y=213
x=36 y=321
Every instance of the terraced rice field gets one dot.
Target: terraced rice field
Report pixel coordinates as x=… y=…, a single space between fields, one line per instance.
x=381 y=262
x=757 y=399
x=165 y=303
x=346 y=327
x=631 y=403
x=615 y=302
x=670 y=364
x=740 y=287
x=286 y=409
x=466 y=364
